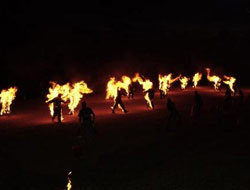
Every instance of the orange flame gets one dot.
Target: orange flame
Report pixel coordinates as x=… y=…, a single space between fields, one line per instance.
x=196 y=78
x=73 y=93
x=146 y=85
x=166 y=81
x=113 y=85
x=6 y=98
x=54 y=91
x=76 y=94
x=163 y=84
x=184 y=82
x=230 y=82
x=215 y=79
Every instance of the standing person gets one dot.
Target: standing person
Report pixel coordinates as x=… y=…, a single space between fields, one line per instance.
x=57 y=107
x=118 y=101
x=86 y=118
x=241 y=96
x=227 y=100
x=173 y=113
x=151 y=95
x=131 y=90
x=196 y=109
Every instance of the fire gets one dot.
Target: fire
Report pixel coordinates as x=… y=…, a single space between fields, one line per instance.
x=6 y=98
x=73 y=93
x=54 y=91
x=184 y=82
x=76 y=94
x=166 y=81
x=163 y=85
x=69 y=186
x=146 y=85
x=196 y=78
x=113 y=85
x=215 y=79
x=230 y=82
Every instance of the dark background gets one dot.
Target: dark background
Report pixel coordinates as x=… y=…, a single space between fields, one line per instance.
x=68 y=41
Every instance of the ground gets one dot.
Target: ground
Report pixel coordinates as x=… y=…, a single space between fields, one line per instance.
x=130 y=151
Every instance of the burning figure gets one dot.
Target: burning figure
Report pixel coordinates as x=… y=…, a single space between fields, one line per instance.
x=6 y=98
x=196 y=78
x=57 y=109
x=147 y=86
x=165 y=83
x=184 y=82
x=76 y=94
x=230 y=82
x=118 y=101
x=114 y=90
x=72 y=92
x=150 y=94
x=215 y=79
x=163 y=86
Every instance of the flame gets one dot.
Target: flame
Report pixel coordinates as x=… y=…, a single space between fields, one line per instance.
x=54 y=91
x=163 y=85
x=69 y=186
x=196 y=78
x=166 y=81
x=73 y=93
x=113 y=85
x=184 y=82
x=146 y=85
x=215 y=79
x=6 y=98
x=76 y=94
x=230 y=82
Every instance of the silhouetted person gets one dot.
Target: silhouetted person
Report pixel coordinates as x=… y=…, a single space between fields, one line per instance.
x=227 y=100
x=118 y=101
x=241 y=96
x=57 y=107
x=173 y=113
x=86 y=118
x=131 y=91
x=151 y=95
x=198 y=103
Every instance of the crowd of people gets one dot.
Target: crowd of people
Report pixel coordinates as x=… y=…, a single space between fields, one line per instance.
x=174 y=118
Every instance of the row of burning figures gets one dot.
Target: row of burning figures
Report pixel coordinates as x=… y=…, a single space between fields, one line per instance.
x=165 y=82
x=74 y=92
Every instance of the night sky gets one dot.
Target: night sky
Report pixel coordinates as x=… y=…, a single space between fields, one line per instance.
x=66 y=41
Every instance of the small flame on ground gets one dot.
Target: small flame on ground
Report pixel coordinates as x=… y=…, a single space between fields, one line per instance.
x=6 y=98
x=184 y=82
x=69 y=185
x=196 y=78
x=146 y=85
x=230 y=82
x=215 y=79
